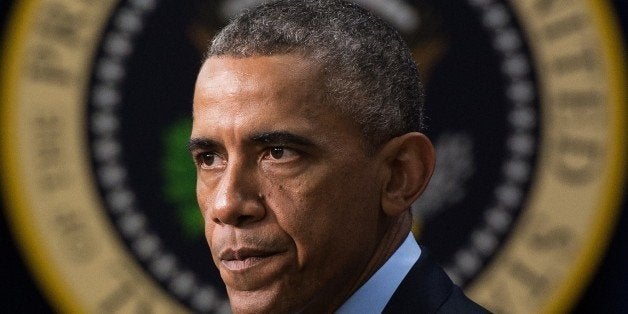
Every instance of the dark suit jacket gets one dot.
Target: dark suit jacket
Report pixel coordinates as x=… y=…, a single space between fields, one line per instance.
x=428 y=289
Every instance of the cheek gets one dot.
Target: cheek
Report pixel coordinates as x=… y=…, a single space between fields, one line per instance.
x=202 y=195
x=210 y=227
x=324 y=214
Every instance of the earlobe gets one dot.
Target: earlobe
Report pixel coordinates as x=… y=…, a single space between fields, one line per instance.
x=409 y=161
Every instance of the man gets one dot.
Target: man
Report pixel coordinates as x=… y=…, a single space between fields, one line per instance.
x=306 y=137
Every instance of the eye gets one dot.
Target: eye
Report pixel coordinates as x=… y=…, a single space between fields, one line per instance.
x=276 y=152
x=206 y=160
x=282 y=154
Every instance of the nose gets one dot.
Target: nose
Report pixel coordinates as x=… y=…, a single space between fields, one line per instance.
x=237 y=200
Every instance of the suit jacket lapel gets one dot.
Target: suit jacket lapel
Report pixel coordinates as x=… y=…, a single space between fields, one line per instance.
x=424 y=289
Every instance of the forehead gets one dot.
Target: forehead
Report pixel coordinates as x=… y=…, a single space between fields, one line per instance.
x=262 y=93
x=271 y=74
x=264 y=79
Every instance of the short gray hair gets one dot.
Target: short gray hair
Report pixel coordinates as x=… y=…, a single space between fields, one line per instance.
x=367 y=68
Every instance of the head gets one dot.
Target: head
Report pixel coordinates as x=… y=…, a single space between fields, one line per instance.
x=366 y=68
x=306 y=139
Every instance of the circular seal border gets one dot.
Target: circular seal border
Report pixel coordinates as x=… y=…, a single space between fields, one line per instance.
x=565 y=284
x=13 y=47
x=574 y=284
x=63 y=261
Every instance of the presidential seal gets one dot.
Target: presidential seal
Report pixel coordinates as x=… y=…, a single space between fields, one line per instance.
x=526 y=107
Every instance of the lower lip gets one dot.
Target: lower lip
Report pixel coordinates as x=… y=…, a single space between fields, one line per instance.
x=239 y=265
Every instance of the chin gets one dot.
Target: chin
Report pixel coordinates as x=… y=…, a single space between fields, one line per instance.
x=257 y=302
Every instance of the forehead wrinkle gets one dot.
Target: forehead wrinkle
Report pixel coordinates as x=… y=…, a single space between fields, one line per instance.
x=300 y=85
x=224 y=83
x=302 y=72
x=241 y=85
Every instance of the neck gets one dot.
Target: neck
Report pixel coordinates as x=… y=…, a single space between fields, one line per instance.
x=394 y=236
x=394 y=233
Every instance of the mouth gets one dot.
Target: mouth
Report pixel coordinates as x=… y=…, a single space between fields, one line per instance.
x=244 y=258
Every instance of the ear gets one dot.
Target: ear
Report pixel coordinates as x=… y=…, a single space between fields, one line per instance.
x=408 y=164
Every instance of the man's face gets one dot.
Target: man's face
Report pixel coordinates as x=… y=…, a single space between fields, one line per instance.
x=290 y=198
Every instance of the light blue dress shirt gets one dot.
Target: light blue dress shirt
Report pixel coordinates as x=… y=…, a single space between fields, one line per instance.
x=373 y=296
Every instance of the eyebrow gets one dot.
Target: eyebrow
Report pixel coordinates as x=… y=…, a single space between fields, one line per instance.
x=280 y=138
x=201 y=143
x=275 y=138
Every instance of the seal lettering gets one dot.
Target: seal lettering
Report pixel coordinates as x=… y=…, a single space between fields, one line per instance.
x=53 y=172
x=578 y=159
x=75 y=236
x=59 y=22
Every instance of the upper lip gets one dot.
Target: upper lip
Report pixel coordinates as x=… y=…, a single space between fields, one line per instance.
x=231 y=254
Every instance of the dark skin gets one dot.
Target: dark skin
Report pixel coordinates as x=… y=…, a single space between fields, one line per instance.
x=298 y=214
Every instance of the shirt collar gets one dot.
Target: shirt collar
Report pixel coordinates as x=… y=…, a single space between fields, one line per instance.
x=373 y=296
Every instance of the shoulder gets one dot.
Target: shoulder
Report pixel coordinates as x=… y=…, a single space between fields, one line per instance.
x=428 y=289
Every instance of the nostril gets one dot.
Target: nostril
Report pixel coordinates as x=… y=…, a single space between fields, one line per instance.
x=236 y=198
x=216 y=220
x=244 y=220
x=237 y=209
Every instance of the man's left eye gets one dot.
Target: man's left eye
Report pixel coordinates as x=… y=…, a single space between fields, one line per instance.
x=282 y=153
x=276 y=152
